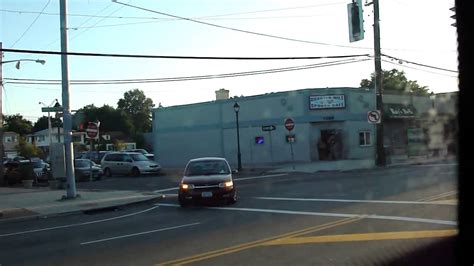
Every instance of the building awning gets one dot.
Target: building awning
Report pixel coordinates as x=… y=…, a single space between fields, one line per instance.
x=392 y=110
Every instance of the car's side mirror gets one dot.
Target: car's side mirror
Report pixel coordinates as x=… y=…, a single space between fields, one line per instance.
x=235 y=171
x=130 y=160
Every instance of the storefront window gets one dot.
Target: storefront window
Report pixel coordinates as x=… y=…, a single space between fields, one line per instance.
x=364 y=138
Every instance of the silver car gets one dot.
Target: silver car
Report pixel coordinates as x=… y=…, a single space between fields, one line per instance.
x=128 y=163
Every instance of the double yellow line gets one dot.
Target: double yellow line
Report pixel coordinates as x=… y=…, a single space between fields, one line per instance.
x=439 y=196
x=261 y=242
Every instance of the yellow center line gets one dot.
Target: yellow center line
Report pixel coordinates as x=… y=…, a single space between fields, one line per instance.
x=437 y=196
x=362 y=237
x=240 y=247
x=447 y=202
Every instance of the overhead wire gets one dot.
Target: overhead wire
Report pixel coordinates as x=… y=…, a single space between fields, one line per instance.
x=156 y=18
x=419 y=69
x=239 y=30
x=419 y=64
x=180 y=57
x=184 y=78
x=31 y=24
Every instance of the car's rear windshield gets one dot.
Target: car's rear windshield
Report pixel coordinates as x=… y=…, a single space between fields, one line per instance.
x=37 y=164
x=138 y=157
x=211 y=167
x=81 y=163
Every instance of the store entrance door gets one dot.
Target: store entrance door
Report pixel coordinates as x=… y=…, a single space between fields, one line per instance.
x=330 y=145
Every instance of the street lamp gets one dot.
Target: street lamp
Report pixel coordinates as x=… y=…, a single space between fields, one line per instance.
x=18 y=61
x=49 y=123
x=239 y=160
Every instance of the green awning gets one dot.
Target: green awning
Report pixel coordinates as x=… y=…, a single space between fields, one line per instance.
x=392 y=110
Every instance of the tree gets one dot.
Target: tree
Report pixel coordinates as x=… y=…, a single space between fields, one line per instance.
x=18 y=124
x=138 y=107
x=42 y=123
x=110 y=118
x=395 y=80
x=28 y=150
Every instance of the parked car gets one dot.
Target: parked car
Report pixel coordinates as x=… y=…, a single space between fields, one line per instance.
x=128 y=163
x=18 y=170
x=41 y=170
x=150 y=156
x=207 y=179
x=94 y=156
x=83 y=167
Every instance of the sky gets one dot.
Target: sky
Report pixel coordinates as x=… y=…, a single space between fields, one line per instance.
x=417 y=31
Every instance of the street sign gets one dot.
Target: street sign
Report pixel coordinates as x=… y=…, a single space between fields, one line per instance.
x=92 y=130
x=374 y=117
x=268 y=128
x=289 y=124
x=51 y=109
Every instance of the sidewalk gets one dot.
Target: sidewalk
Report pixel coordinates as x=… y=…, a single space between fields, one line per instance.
x=348 y=165
x=21 y=203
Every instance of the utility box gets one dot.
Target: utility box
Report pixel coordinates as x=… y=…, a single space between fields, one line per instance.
x=58 y=162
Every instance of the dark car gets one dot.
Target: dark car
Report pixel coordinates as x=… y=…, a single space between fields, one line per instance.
x=207 y=179
x=83 y=167
x=41 y=170
x=18 y=170
x=94 y=156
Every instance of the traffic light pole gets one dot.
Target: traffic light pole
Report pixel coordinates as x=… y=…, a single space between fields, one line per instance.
x=380 y=151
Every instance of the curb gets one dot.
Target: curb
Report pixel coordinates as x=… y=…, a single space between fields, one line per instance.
x=70 y=213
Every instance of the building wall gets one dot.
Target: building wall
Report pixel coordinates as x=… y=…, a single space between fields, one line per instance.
x=209 y=129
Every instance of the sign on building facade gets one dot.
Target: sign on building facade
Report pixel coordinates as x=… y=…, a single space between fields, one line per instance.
x=326 y=101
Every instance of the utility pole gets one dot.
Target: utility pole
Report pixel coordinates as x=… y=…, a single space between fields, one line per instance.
x=380 y=151
x=1 y=117
x=67 y=117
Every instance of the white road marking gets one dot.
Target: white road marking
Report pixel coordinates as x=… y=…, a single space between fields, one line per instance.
x=78 y=224
x=328 y=214
x=137 y=234
x=353 y=201
x=257 y=177
x=235 y=179
x=166 y=189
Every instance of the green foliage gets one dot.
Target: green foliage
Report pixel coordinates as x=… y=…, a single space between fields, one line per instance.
x=28 y=150
x=396 y=81
x=42 y=123
x=135 y=104
x=18 y=124
x=110 y=118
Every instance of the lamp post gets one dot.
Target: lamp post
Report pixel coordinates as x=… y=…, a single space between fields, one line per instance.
x=49 y=124
x=239 y=159
x=1 y=102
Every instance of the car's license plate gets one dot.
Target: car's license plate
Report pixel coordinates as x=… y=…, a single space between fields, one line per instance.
x=206 y=194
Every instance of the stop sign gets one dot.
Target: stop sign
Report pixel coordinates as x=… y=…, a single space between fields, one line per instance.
x=289 y=124
x=92 y=130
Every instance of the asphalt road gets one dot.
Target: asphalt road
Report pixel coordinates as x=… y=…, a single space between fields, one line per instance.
x=332 y=218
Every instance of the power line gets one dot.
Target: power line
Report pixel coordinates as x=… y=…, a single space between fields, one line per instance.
x=164 y=20
x=419 y=64
x=181 y=57
x=239 y=30
x=419 y=69
x=32 y=23
x=204 y=17
x=185 y=78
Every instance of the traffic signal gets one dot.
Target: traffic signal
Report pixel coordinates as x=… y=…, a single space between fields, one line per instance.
x=356 y=21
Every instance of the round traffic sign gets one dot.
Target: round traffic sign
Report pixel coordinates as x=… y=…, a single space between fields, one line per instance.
x=92 y=130
x=374 y=117
x=289 y=124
